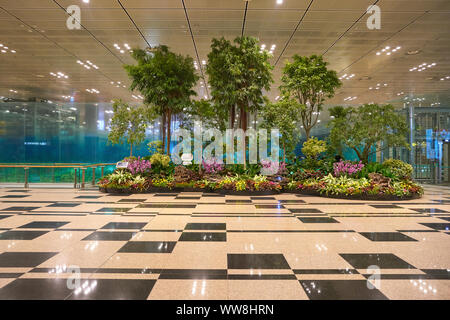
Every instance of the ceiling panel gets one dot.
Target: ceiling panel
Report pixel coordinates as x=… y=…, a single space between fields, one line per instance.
x=336 y=28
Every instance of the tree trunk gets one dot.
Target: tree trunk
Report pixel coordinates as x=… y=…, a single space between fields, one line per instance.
x=244 y=127
x=232 y=116
x=169 y=125
x=131 y=149
x=163 y=130
x=307 y=132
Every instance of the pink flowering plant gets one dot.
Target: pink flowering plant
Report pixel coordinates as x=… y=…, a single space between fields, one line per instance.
x=140 y=166
x=212 y=165
x=347 y=168
x=267 y=164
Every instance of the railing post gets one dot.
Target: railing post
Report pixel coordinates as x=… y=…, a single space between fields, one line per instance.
x=75 y=179
x=83 y=176
x=93 y=176
x=26 y=177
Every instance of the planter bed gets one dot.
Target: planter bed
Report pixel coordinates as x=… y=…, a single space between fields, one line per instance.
x=382 y=197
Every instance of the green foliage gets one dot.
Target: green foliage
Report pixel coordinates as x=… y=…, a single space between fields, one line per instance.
x=375 y=167
x=237 y=73
x=128 y=124
x=284 y=116
x=308 y=80
x=155 y=147
x=313 y=147
x=165 y=79
x=161 y=164
x=400 y=169
x=362 y=128
x=120 y=177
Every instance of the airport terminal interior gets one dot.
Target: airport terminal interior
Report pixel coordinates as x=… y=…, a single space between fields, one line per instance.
x=98 y=202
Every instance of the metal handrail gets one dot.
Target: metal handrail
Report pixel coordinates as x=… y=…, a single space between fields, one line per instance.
x=76 y=166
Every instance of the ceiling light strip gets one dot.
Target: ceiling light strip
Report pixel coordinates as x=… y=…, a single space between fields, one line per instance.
x=293 y=32
x=92 y=35
x=245 y=18
x=353 y=24
x=195 y=45
x=387 y=39
x=132 y=21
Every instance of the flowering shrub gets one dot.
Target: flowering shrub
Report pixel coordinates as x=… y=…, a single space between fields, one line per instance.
x=139 y=166
x=212 y=165
x=267 y=164
x=398 y=168
x=347 y=168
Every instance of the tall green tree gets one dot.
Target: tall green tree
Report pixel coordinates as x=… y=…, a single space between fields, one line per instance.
x=128 y=124
x=238 y=72
x=308 y=80
x=166 y=81
x=284 y=116
x=362 y=128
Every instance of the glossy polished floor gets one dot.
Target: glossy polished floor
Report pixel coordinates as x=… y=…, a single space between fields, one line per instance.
x=208 y=246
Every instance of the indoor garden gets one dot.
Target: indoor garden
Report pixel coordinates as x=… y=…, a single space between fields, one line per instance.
x=239 y=74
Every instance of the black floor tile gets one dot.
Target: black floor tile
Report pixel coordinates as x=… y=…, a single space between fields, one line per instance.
x=386 y=236
x=382 y=260
x=131 y=200
x=114 y=289
x=238 y=201
x=19 y=208
x=188 y=198
x=44 y=225
x=20 y=190
x=216 y=195
x=166 y=195
x=305 y=210
x=269 y=206
x=64 y=205
x=125 y=225
x=340 y=290
x=24 y=259
x=429 y=210
x=4 y=216
x=262 y=198
x=148 y=246
x=317 y=220
x=206 y=226
x=114 y=210
x=21 y=235
x=15 y=196
x=203 y=236
x=109 y=236
x=257 y=261
x=291 y=201
x=35 y=289
x=442 y=218
x=216 y=274
x=325 y=271
x=88 y=197
x=166 y=205
x=437 y=226
x=385 y=206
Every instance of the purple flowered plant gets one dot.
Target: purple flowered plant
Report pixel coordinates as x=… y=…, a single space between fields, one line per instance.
x=267 y=164
x=139 y=166
x=212 y=165
x=347 y=168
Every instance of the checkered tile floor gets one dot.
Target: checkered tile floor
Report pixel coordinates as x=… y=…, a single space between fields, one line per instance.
x=67 y=244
